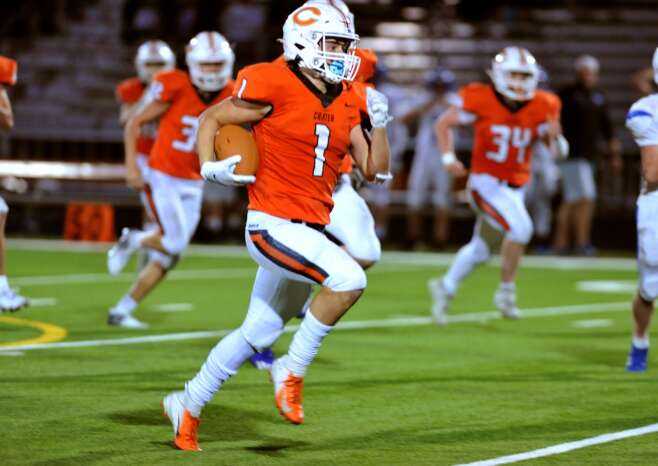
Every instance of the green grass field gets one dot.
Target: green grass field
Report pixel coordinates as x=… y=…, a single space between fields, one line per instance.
x=399 y=391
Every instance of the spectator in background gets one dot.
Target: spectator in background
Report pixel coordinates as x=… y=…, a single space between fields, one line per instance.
x=586 y=122
x=427 y=175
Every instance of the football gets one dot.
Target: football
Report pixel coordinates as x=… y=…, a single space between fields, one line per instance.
x=233 y=139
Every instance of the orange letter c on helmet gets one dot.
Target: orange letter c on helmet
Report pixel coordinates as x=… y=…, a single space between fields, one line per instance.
x=299 y=20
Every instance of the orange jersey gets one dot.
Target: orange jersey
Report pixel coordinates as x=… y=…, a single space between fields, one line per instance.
x=301 y=143
x=504 y=138
x=174 y=152
x=129 y=92
x=368 y=66
x=8 y=69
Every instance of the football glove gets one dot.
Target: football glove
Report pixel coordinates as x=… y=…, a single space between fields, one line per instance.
x=223 y=172
x=377 y=108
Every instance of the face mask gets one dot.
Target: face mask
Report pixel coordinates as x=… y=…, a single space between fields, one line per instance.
x=337 y=67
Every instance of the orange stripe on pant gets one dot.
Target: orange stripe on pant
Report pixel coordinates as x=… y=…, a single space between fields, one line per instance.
x=280 y=257
x=490 y=210
x=149 y=198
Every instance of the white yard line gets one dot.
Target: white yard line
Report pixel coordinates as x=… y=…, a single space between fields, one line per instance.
x=348 y=325
x=565 y=447
x=43 y=302
x=173 y=307
x=389 y=257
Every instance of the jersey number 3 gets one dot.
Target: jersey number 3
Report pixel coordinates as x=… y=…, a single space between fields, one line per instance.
x=504 y=137
x=323 y=133
x=190 y=128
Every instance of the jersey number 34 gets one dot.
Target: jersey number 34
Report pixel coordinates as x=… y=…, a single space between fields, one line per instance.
x=506 y=138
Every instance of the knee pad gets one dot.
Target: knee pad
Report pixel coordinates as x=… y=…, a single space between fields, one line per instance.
x=174 y=246
x=521 y=231
x=261 y=328
x=349 y=279
x=480 y=250
x=167 y=261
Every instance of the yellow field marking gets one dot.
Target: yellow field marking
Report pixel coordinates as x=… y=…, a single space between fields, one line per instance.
x=49 y=332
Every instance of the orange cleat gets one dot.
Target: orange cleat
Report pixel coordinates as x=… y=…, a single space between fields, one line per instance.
x=185 y=425
x=288 y=393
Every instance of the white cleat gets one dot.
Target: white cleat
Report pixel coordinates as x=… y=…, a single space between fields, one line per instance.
x=505 y=301
x=184 y=424
x=440 y=301
x=120 y=254
x=125 y=321
x=10 y=301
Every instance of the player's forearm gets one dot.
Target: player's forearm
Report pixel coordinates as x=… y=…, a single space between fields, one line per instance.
x=650 y=164
x=130 y=135
x=445 y=137
x=6 y=113
x=379 y=160
x=208 y=126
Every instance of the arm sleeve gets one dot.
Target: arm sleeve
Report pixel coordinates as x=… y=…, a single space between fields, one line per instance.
x=256 y=84
x=468 y=100
x=642 y=122
x=128 y=92
x=8 y=71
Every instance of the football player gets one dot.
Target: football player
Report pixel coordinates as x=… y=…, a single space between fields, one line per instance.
x=174 y=186
x=152 y=57
x=642 y=120
x=508 y=116
x=305 y=121
x=9 y=299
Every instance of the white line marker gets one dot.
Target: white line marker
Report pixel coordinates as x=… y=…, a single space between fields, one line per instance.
x=607 y=286
x=173 y=307
x=565 y=447
x=348 y=325
x=592 y=323
x=43 y=302
x=11 y=353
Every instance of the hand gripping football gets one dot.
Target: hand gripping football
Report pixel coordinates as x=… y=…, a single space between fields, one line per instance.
x=235 y=140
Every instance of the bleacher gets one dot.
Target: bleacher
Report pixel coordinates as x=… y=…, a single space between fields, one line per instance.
x=68 y=112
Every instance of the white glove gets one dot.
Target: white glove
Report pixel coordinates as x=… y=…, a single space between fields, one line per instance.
x=222 y=172
x=562 y=147
x=377 y=108
x=381 y=178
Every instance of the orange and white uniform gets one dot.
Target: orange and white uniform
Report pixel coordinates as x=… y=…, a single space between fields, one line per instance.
x=302 y=143
x=130 y=92
x=174 y=185
x=352 y=224
x=8 y=71
x=502 y=153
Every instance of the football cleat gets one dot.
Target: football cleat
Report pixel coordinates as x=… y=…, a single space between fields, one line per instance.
x=440 y=301
x=637 y=359
x=10 y=301
x=185 y=425
x=505 y=301
x=120 y=254
x=287 y=392
x=125 y=321
x=263 y=360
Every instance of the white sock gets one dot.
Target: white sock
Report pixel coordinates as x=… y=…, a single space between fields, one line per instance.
x=464 y=263
x=305 y=344
x=641 y=342
x=4 y=283
x=507 y=286
x=223 y=362
x=125 y=306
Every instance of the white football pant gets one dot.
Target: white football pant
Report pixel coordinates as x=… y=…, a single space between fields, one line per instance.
x=647 y=241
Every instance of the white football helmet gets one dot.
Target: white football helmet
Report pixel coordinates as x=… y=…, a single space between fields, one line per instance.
x=153 y=56
x=305 y=34
x=655 y=65
x=340 y=5
x=209 y=48
x=515 y=60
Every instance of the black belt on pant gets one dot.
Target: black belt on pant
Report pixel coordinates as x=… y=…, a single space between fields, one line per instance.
x=316 y=226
